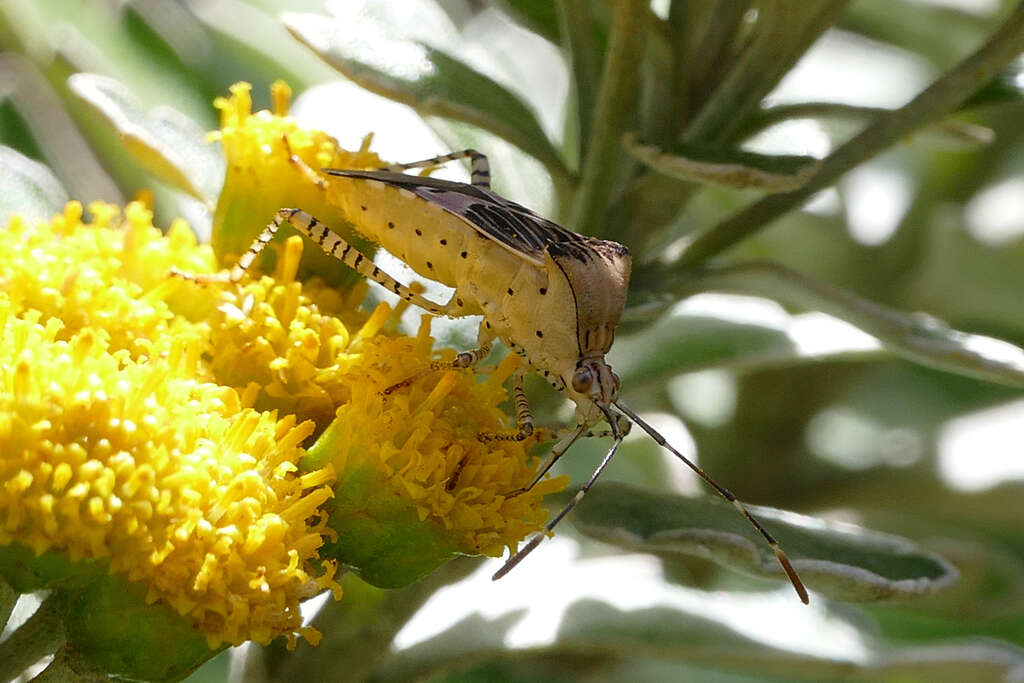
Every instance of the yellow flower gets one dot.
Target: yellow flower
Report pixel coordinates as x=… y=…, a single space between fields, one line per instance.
x=273 y=163
x=117 y=446
x=145 y=429
x=178 y=459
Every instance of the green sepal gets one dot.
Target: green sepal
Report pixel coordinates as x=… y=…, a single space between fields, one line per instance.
x=26 y=572
x=380 y=534
x=109 y=623
x=107 y=619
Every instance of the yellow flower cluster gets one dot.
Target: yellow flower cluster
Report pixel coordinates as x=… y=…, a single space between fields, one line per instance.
x=116 y=445
x=422 y=446
x=139 y=423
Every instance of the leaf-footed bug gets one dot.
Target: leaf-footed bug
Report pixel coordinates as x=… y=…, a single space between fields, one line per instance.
x=551 y=295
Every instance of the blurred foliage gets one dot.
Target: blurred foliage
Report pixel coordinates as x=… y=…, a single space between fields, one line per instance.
x=662 y=125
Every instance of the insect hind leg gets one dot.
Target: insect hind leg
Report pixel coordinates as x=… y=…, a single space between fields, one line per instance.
x=480 y=168
x=334 y=245
x=257 y=246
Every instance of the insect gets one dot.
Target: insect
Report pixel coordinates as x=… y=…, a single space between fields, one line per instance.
x=551 y=295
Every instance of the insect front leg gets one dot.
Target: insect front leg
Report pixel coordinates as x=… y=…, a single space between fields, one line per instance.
x=557 y=451
x=524 y=416
x=480 y=168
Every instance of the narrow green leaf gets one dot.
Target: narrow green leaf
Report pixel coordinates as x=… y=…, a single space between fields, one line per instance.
x=910 y=26
x=469 y=640
x=661 y=638
x=941 y=97
x=163 y=140
x=540 y=16
x=915 y=336
x=427 y=79
x=28 y=188
x=844 y=120
x=688 y=341
x=975 y=660
x=731 y=168
x=841 y=561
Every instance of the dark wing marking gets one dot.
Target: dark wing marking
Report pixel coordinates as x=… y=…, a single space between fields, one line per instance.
x=511 y=225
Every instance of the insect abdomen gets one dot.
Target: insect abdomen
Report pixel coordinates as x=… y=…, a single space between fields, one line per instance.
x=428 y=239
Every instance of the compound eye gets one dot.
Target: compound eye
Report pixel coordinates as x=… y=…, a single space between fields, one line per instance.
x=582 y=380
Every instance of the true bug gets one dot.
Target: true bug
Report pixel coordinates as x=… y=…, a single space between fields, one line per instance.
x=551 y=295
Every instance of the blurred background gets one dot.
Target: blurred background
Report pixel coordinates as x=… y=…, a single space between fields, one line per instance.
x=852 y=353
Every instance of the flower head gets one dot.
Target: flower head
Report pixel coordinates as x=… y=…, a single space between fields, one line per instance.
x=159 y=427
x=120 y=447
x=274 y=163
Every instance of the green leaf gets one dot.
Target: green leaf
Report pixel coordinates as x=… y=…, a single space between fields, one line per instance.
x=540 y=16
x=427 y=79
x=462 y=643
x=837 y=560
x=917 y=337
x=1006 y=88
x=731 y=168
x=163 y=140
x=28 y=188
x=843 y=121
x=659 y=639
x=686 y=341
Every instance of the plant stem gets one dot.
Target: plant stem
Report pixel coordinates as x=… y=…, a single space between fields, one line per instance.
x=784 y=31
x=617 y=100
x=931 y=104
x=575 y=25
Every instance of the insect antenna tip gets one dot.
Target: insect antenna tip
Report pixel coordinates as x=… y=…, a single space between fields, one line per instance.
x=791 y=573
x=518 y=557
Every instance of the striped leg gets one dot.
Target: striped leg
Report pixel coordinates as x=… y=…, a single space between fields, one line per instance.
x=453 y=480
x=480 y=169
x=466 y=359
x=524 y=416
x=332 y=244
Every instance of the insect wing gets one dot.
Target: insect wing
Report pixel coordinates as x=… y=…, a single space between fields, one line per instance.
x=511 y=225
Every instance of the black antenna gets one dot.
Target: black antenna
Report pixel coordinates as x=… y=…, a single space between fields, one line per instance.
x=725 y=493
x=541 y=535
